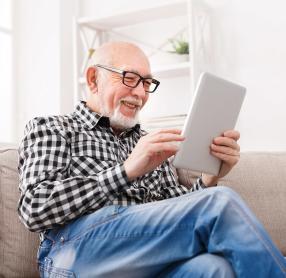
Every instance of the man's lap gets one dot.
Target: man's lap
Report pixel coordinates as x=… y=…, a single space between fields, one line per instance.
x=118 y=231
x=140 y=239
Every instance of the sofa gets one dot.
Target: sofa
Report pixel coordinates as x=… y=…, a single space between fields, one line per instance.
x=260 y=178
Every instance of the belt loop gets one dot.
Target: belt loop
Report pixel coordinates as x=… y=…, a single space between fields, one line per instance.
x=52 y=235
x=115 y=210
x=42 y=236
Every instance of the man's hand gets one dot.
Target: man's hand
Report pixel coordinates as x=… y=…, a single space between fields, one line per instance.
x=151 y=151
x=224 y=147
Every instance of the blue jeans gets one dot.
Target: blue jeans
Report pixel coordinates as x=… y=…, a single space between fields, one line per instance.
x=208 y=233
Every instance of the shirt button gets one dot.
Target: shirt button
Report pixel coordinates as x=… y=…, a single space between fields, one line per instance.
x=62 y=239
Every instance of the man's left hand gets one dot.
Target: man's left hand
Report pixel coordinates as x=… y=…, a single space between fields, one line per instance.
x=226 y=148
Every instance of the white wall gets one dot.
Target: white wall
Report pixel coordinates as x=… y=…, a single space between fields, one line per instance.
x=37 y=56
x=43 y=55
x=7 y=119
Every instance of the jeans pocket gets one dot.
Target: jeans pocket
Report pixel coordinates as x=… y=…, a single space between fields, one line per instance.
x=47 y=270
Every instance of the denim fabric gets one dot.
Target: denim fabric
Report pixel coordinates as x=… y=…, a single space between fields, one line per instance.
x=202 y=266
x=207 y=233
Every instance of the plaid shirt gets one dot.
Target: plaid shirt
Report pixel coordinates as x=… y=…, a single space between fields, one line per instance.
x=73 y=165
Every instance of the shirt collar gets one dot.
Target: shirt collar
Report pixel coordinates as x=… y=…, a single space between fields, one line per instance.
x=91 y=119
x=88 y=117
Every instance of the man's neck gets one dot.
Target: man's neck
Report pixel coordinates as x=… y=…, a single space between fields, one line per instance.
x=92 y=107
x=117 y=132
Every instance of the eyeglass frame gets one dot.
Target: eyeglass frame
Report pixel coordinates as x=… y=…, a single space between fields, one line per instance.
x=124 y=72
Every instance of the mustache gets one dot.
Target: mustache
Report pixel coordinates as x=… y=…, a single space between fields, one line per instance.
x=132 y=100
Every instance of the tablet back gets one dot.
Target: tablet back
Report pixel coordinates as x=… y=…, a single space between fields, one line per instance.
x=214 y=110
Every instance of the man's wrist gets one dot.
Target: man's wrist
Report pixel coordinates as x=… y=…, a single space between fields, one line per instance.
x=130 y=175
x=209 y=180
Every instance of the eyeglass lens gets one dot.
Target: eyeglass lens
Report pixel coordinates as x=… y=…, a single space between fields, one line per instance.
x=132 y=79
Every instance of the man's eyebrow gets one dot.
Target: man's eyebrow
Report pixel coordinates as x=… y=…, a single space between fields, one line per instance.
x=135 y=71
x=145 y=76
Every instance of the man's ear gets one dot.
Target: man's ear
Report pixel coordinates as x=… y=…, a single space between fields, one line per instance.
x=91 y=79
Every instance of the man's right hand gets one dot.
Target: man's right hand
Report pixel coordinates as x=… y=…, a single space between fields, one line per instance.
x=151 y=151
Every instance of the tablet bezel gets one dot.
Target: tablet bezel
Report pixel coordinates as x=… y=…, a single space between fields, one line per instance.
x=215 y=109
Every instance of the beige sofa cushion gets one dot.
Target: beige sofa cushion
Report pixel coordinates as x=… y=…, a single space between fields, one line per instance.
x=260 y=178
x=18 y=247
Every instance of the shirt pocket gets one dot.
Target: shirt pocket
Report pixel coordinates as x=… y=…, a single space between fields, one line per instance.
x=90 y=157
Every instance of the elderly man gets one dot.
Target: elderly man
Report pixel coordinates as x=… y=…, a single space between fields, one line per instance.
x=107 y=204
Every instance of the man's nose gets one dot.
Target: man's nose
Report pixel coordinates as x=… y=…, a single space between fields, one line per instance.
x=139 y=90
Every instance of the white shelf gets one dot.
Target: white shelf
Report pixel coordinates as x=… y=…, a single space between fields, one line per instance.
x=172 y=70
x=127 y=18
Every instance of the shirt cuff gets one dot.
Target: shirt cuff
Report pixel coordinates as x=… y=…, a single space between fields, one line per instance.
x=199 y=185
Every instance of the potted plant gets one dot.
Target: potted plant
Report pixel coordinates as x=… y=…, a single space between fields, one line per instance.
x=181 y=48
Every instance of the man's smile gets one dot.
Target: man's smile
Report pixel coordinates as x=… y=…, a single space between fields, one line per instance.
x=130 y=104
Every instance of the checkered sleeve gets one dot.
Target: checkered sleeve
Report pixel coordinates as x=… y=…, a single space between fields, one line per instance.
x=198 y=185
x=49 y=196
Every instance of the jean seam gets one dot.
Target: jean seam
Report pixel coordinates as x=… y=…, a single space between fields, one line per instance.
x=116 y=236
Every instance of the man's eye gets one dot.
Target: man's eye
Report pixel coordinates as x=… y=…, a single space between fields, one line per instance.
x=147 y=83
x=129 y=78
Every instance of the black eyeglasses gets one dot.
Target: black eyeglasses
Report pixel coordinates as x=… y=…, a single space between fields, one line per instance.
x=132 y=79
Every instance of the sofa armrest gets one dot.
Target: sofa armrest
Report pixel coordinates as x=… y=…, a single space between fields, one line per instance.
x=18 y=246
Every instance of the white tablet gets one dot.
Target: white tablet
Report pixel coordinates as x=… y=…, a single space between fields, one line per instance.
x=214 y=110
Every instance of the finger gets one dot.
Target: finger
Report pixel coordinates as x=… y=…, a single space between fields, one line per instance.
x=165 y=154
x=170 y=130
x=224 y=150
x=228 y=142
x=228 y=159
x=234 y=134
x=166 y=137
x=164 y=147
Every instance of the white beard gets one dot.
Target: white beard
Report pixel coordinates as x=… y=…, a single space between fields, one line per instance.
x=117 y=119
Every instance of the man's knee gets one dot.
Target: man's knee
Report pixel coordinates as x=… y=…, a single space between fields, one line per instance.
x=224 y=193
x=221 y=189
x=221 y=199
x=209 y=265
